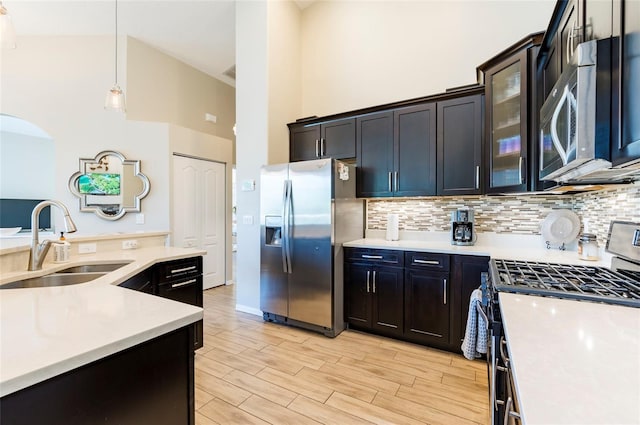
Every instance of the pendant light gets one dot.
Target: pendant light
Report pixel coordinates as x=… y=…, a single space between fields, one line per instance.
x=115 y=96
x=7 y=32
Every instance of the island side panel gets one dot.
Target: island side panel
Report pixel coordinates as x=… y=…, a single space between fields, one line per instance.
x=150 y=383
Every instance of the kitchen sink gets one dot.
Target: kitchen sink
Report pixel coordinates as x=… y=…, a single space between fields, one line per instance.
x=54 y=279
x=92 y=268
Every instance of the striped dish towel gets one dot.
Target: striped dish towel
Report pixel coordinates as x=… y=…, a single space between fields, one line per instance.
x=475 y=336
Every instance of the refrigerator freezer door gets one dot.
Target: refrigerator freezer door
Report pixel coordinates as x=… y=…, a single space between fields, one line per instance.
x=311 y=280
x=273 y=275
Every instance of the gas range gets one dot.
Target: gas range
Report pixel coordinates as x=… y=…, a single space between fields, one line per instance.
x=578 y=282
x=618 y=285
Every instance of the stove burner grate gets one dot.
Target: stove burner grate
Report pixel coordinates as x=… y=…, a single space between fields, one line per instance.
x=567 y=281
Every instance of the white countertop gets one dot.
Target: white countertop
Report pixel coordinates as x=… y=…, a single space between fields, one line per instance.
x=574 y=362
x=48 y=331
x=503 y=246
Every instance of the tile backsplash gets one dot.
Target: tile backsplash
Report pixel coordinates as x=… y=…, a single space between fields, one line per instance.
x=520 y=214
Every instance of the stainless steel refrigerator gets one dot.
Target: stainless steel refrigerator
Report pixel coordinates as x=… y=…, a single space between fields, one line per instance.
x=308 y=209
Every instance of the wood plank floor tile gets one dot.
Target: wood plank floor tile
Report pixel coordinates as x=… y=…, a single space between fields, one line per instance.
x=428 y=374
x=297 y=384
x=324 y=355
x=324 y=413
x=361 y=376
x=378 y=370
x=266 y=389
x=337 y=383
x=275 y=362
x=367 y=411
x=225 y=413
x=274 y=413
x=255 y=372
x=237 y=338
x=220 y=388
x=203 y=420
x=278 y=352
x=211 y=366
x=235 y=362
x=202 y=397
x=417 y=411
x=444 y=402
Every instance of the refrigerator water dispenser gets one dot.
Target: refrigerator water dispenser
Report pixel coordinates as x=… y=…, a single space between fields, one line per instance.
x=273 y=230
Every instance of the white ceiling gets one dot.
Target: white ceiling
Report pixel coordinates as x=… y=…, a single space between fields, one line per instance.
x=200 y=33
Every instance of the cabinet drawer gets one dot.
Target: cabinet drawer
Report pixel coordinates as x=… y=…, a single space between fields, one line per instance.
x=374 y=256
x=179 y=269
x=427 y=260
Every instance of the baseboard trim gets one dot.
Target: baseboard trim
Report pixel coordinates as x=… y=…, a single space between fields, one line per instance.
x=247 y=309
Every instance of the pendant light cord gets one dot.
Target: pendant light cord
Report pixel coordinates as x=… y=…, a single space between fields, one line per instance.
x=116 y=61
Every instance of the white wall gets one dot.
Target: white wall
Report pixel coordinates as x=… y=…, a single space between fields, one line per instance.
x=19 y=180
x=284 y=72
x=251 y=143
x=60 y=84
x=357 y=54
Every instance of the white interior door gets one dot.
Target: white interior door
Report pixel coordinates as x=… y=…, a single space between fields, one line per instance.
x=199 y=213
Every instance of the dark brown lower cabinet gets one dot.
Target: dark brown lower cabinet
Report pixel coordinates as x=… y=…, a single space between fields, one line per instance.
x=466 y=274
x=426 y=306
x=374 y=298
x=422 y=297
x=150 y=383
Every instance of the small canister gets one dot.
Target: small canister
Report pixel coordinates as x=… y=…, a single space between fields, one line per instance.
x=588 y=247
x=61 y=252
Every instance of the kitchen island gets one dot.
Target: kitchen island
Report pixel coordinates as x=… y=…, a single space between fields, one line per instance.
x=100 y=339
x=573 y=362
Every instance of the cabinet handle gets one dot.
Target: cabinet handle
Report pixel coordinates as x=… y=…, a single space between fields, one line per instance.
x=503 y=344
x=322 y=150
x=317 y=144
x=444 y=287
x=372 y=257
x=520 y=160
x=396 y=179
x=186 y=269
x=188 y=282
x=477 y=177
x=368 y=272
x=374 y=281
x=389 y=181
x=432 y=262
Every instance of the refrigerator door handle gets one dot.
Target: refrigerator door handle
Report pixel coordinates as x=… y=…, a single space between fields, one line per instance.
x=284 y=226
x=287 y=226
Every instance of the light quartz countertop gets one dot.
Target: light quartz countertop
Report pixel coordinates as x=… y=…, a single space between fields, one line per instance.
x=499 y=246
x=574 y=362
x=48 y=331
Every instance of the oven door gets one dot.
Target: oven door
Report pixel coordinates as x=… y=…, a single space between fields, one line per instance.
x=498 y=378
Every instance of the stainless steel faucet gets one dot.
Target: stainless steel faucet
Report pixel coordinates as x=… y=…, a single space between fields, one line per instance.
x=39 y=250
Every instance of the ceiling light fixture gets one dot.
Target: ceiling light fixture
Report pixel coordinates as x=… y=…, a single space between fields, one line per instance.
x=7 y=32
x=115 y=97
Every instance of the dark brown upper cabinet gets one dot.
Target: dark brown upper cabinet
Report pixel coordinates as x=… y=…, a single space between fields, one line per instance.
x=331 y=139
x=459 y=146
x=396 y=152
x=625 y=149
x=511 y=118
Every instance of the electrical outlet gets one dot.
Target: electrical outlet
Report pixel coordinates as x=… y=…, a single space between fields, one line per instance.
x=87 y=248
x=130 y=244
x=140 y=218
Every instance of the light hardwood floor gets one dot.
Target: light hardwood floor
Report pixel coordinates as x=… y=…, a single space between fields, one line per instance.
x=252 y=372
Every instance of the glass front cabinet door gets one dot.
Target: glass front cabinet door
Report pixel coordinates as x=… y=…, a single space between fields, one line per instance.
x=509 y=120
x=507 y=125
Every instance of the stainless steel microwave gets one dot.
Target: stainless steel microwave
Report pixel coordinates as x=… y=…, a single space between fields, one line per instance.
x=569 y=148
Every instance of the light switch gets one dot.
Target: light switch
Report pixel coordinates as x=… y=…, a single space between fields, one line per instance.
x=248 y=185
x=247 y=219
